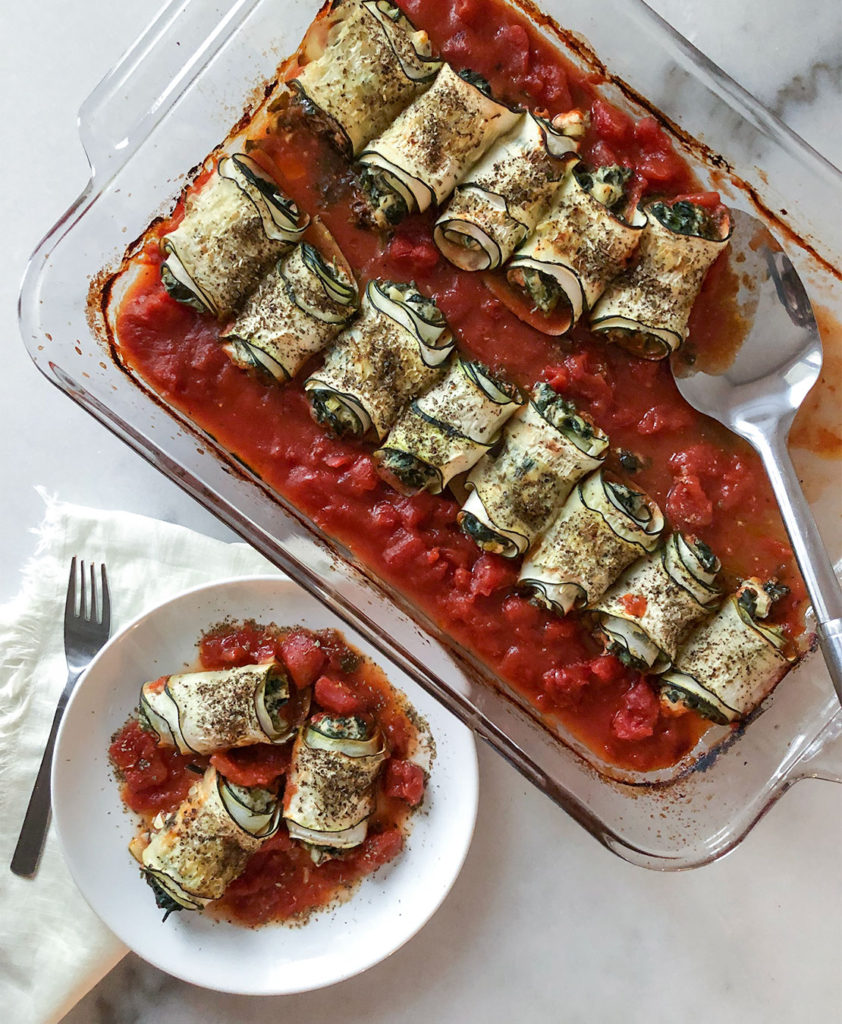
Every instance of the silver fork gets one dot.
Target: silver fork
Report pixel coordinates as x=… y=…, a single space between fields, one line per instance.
x=86 y=628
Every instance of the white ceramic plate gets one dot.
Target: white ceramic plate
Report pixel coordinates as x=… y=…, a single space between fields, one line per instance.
x=386 y=910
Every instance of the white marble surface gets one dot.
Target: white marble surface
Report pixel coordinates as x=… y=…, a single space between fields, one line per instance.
x=543 y=924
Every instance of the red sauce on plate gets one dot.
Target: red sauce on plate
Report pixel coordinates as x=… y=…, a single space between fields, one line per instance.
x=707 y=481
x=281 y=881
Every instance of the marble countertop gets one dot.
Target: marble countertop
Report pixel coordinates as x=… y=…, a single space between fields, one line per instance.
x=543 y=923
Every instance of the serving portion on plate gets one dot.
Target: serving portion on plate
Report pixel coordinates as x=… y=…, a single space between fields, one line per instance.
x=495 y=433
x=274 y=779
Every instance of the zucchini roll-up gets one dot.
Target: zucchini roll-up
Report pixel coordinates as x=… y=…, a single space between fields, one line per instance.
x=200 y=712
x=503 y=197
x=425 y=152
x=373 y=64
x=392 y=352
x=298 y=308
x=447 y=430
x=547 y=448
x=729 y=664
x=646 y=309
x=602 y=528
x=329 y=794
x=585 y=241
x=648 y=613
x=233 y=228
x=191 y=856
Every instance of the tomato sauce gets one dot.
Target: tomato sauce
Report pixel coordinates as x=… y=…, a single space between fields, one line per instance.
x=281 y=881
x=708 y=482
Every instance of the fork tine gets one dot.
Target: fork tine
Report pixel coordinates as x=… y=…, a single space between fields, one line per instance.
x=83 y=592
x=70 y=600
x=105 y=601
x=93 y=616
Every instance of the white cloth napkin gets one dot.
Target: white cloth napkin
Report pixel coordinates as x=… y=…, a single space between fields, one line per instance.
x=53 y=948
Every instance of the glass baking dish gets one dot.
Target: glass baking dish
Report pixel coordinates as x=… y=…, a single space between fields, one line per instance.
x=171 y=99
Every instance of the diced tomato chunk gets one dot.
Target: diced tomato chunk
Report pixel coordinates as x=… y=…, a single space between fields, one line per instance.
x=687 y=503
x=404 y=780
x=565 y=685
x=490 y=573
x=303 y=657
x=610 y=123
x=634 y=604
x=334 y=695
x=637 y=717
x=257 y=765
x=380 y=848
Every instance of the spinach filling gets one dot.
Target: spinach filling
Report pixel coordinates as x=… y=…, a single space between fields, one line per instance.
x=335 y=414
x=383 y=196
x=275 y=698
x=340 y=727
x=707 y=559
x=563 y=415
x=481 y=535
x=606 y=184
x=631 y=502
x=694 y=701
x=163 y=900
x=685 y=218
x=179 y=291
x=475 y=79
x=410 y=470
x=542 y=288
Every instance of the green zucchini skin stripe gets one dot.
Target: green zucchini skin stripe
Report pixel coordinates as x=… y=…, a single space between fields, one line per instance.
x=393 y=351
x=546 y=449
x=729 y=664
x=447 y=430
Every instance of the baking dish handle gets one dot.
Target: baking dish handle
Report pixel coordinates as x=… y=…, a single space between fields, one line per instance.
x=118 y=115
x=823 y=758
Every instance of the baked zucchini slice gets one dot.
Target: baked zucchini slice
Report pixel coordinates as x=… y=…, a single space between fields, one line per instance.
x=649 y=612
x=547 y=448
x=395 y=349
x=647 y=308
x=233 y=228
x=421 y=157
x=447 y=430
x=501 y=200
x=192 y=855
x=601 y=529
x=372 y=63
x=299 y=307
x=729 y=664
x=584 y=242
x=329 y=795
x=200 y=712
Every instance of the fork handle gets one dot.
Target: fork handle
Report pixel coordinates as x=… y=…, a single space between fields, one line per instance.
x=813 y=559
x=34 y=829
